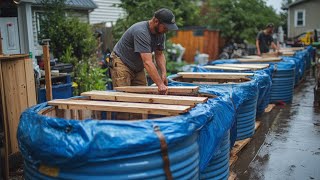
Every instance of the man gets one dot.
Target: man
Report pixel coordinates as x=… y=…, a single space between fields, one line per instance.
x=264 y=40
x=134 y=51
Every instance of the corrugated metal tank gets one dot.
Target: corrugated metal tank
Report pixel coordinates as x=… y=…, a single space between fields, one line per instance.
x=218 y=167
x=282 y=84
x=184 y=164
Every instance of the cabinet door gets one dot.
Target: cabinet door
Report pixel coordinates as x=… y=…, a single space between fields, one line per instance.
x=10 y=35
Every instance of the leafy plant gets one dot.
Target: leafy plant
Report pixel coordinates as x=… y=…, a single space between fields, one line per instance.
x=89 y=76
x=72 y=42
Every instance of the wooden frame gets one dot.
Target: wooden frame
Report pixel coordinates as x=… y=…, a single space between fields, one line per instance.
x=94 y=103
x=213 y=75
x=240 y=67
x=172 y=90
x=144 y=98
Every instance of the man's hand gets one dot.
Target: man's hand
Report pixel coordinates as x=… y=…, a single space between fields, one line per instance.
x=258 y=53
x=163 y=89
x=165 y=80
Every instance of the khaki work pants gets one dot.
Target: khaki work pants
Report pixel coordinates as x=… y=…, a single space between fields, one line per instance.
x=121 y=75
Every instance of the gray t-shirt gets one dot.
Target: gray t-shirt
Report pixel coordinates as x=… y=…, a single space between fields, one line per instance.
x=138 y=39
x=265 y=41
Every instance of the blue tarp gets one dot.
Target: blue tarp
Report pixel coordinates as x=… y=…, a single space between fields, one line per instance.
x=70 y=143
x=239 y=93
x=262 y=77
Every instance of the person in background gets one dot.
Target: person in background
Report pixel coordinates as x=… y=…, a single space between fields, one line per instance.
x=264 y=40
x=133 y=52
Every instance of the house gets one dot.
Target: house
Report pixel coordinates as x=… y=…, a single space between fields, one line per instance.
x=303 y=15
x=19 y=23
x=107 y=12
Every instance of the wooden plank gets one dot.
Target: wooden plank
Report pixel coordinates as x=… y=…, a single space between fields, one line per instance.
x=288 y=53
x=226 y=68
x=257 y=125
x=172 y=90
x=11 y=93
x=269 y=59
x=59 y=112
x=269 y=108
x=10 y=57
x=5 y=124
x=144 y=98
x=232 y=176
x=46 y=60
x=143 y=108
x=213 y=75
x=200 y=82
x=29 y=74
x=144 y=116
x=258 y=66
x=109 y=115
x=97 y=115
x=233 y=159
x=292 y=49
x=239 y=145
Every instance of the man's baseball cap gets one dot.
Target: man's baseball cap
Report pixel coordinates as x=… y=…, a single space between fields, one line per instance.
x=166 y=17
x=270 y=25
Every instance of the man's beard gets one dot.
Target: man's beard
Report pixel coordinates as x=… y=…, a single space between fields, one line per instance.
x=156 y=29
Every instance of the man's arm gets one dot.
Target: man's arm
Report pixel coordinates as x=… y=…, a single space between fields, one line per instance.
x=274 y=46
x=153 y=73
x=161 y=62
x=258 y=47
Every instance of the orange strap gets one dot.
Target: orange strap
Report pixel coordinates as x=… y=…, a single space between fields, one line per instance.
x=164 y=152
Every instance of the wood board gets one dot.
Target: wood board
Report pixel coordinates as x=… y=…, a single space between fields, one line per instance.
x=226 y=68
x=172 y=90
x=144 y=98
x=260 y=66
x=208 y=75
x=292 y=49
x=269 y=108
x=240 y=67
x=232 y=176
x=239 y=145
x=260 y=59
x=143 y=108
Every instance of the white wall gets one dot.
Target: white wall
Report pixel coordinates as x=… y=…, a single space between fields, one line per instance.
x=105 y=12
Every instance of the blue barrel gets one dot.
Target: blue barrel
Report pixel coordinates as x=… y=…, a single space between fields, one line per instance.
x=283 y=81
x=246 y=117
x=300 y=67
x=218 y=167
x=184 y=162
x=80 y=151
x=247 y=107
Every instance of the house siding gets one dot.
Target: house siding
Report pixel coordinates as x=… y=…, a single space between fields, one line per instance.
x=312 y=21
x=106 y=12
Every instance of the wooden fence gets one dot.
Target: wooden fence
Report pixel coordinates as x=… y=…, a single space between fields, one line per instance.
x=205 y=41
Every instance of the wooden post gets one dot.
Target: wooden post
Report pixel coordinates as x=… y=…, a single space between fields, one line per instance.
x=46 y=59
x=1 y=52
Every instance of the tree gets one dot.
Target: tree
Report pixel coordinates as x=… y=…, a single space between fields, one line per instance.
x=186 y=13
x=72 y=42
x=239 y=20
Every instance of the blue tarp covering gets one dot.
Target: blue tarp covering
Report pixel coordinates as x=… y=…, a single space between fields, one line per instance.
x=239 y=93
x=262 y=77
x=71 y=143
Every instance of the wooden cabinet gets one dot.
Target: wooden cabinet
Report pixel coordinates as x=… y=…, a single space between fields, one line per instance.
x=17 y=89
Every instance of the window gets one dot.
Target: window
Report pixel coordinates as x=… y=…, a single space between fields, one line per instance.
x=300 y=18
